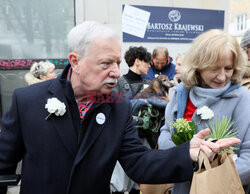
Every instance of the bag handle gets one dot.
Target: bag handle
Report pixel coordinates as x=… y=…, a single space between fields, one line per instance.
x=203 y=159
x=223 y=156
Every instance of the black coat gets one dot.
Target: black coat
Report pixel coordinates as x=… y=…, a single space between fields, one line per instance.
x=55 y=163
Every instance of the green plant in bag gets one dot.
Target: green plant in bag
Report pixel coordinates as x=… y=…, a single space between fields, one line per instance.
x=222 y=129
x=183 y=130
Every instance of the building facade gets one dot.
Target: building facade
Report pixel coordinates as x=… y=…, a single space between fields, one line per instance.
x=36 y=30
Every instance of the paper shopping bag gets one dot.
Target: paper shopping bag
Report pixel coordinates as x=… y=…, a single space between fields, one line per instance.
x=219 y=177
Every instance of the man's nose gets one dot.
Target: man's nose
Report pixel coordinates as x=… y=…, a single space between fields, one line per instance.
x=115 y=72
x=161 y=65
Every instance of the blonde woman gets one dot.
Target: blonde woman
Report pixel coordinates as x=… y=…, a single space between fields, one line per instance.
x=211 y=74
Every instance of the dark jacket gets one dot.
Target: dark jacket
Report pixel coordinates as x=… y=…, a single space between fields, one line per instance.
x=129 y=90
x=56 y=162
x=168 y=70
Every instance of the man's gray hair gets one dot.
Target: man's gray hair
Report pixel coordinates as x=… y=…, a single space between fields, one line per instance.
x=82 y=35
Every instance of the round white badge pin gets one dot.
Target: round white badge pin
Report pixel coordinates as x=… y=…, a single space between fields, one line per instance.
x=100 y=118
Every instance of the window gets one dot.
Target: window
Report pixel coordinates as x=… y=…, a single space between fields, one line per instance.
x=55 y=19
x=31 y=31
x=241 y=22
x=7 y=9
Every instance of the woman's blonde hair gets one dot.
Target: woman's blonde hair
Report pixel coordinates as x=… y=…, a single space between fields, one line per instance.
x=206 y=50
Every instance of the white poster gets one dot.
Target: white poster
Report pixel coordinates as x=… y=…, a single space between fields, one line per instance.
x=134 y=21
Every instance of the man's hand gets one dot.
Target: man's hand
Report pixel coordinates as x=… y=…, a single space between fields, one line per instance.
x=198 y=142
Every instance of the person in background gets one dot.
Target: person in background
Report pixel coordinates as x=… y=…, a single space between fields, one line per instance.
x=177 y=77
x=211 y=73
x=44 y=70
x=129 y=85
x=138 y=59
x=245 y=44
x=70 y=131
x=166 y=188
x=161 y=63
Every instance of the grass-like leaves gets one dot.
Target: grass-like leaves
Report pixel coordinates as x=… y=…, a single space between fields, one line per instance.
x=222 y=129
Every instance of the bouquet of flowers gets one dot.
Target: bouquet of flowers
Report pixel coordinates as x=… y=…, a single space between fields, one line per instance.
x=183 y=130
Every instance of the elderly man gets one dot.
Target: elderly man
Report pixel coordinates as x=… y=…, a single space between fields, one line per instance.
x=70 y=131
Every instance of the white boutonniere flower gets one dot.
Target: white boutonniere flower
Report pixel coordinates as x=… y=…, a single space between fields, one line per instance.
x=55 y=106
x=205 y=113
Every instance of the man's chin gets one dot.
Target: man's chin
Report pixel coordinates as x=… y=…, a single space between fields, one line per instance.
x=106 y=91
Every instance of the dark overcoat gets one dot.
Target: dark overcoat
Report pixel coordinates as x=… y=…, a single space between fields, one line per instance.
x=62 y=155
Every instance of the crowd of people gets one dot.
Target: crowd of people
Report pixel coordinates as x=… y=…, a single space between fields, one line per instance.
x=72 y=131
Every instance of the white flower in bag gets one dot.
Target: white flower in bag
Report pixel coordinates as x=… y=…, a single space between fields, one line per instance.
x=55 y=106
x=205 y=113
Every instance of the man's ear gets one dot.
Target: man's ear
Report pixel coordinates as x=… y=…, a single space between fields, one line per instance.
x=137 y=62
x=73 y=60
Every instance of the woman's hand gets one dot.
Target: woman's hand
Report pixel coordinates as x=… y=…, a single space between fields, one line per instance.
x=198 y=142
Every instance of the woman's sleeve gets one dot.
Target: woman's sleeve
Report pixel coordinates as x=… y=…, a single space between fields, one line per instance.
x=242 y=123
x=164 y=140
